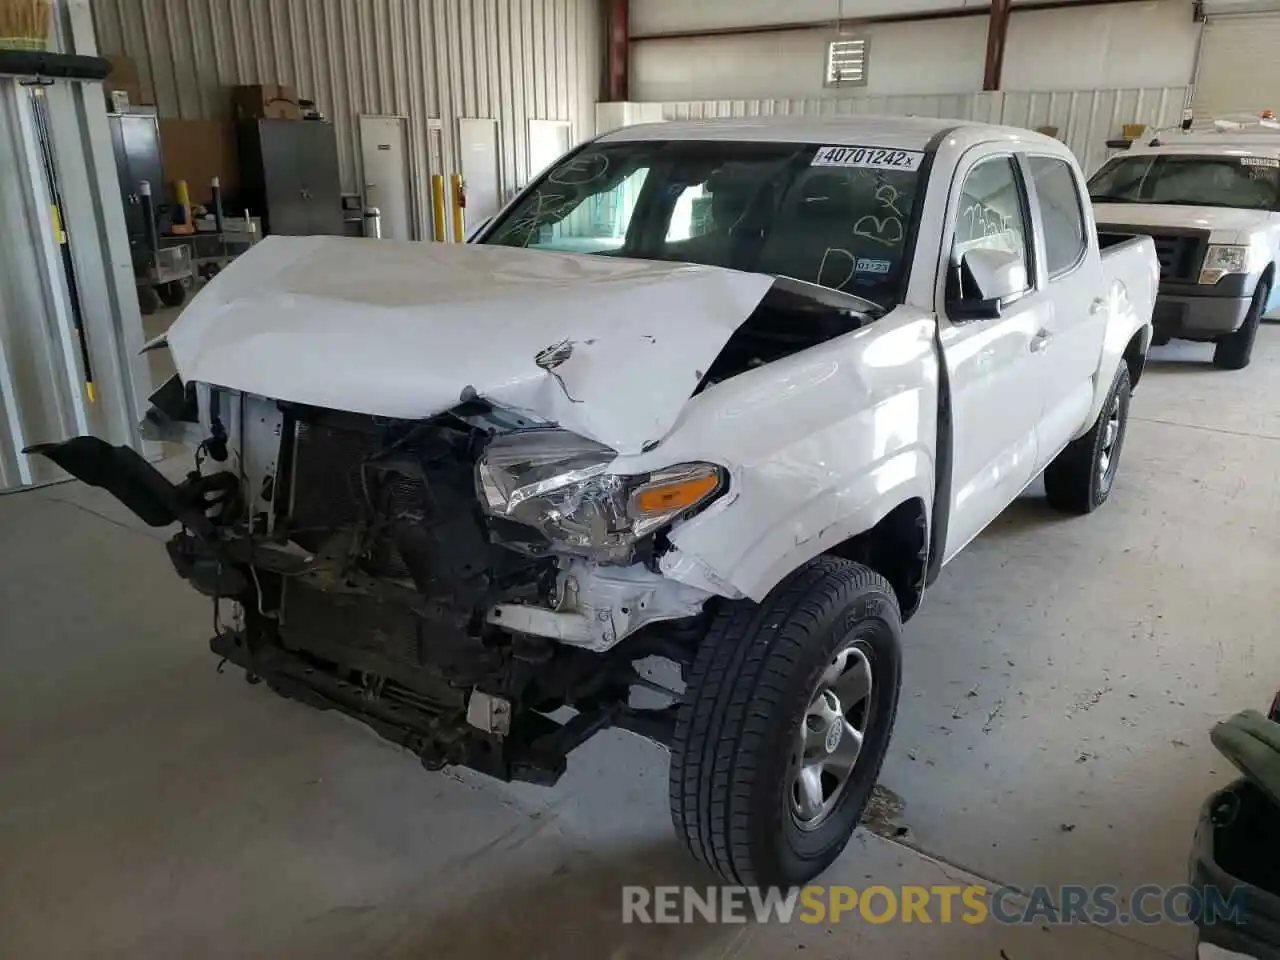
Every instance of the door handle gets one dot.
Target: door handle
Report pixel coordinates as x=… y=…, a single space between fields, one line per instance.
x=1040 y=341
x=1097 y=306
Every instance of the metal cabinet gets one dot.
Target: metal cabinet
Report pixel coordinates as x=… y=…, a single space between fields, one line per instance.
x=135 y=140
x=289 y=175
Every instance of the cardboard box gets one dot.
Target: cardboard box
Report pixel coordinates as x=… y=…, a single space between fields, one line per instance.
x=123 y=79
x=265 y=101
x=197 y=151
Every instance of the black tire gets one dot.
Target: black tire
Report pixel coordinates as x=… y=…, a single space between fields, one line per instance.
x=1235 y=351
x=172 y=294
x=1076 y=481
x=148 y=301
x=732 y=757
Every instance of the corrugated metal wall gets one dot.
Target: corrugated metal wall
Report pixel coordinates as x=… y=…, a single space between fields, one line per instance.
x=962 y=106
x=509 y=60
x=1085 y=119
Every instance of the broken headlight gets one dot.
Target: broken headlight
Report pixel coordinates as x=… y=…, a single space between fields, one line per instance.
x=556 y=482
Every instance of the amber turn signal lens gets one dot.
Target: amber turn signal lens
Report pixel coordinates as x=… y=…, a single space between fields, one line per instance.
x=672 y=495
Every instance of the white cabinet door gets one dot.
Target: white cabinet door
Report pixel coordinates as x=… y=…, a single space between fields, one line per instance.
x=549 y=140
x=994 y=365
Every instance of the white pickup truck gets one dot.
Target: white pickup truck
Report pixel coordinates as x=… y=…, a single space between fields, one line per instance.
x=476 y=495
x=1211 y=201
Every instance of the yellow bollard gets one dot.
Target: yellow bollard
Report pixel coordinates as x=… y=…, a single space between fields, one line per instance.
x=437 y=206
x=459 y=202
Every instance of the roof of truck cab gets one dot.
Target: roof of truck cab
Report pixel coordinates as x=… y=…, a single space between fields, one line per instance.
x=1208 y=145
x=900 y=133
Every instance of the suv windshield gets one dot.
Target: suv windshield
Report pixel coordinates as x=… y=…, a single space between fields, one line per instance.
x=835 y=216
x=1246 y=183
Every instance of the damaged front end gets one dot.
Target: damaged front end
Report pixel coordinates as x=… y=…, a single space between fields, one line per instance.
x=451 y=582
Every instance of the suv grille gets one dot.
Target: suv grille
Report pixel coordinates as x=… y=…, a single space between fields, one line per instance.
x=1181 y=253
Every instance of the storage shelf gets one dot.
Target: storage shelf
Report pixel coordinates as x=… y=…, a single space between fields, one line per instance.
x=60 y=66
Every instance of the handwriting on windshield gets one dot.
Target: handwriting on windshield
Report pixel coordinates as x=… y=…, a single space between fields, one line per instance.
x=883 y=230
x=888 y=197
x=544 y=208
x=886 y=229
x=583 y=169
x=836 y=252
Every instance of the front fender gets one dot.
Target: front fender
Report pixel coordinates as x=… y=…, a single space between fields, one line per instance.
x=819 y=447
x=732 y=552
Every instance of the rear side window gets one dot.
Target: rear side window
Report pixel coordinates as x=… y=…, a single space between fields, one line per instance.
x=1059 y=201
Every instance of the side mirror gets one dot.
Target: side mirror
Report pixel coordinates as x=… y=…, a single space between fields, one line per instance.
x=987 y=279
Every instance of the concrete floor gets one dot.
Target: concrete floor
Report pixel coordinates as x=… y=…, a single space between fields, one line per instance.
x=1064 y=674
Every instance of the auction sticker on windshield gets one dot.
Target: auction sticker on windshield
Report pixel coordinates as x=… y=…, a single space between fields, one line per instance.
x=874 y=158
x=1259 y=162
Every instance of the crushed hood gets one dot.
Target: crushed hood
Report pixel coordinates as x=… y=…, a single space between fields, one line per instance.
x=407 y=330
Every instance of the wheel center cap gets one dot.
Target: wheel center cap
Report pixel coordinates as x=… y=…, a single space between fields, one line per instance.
x=834 y=733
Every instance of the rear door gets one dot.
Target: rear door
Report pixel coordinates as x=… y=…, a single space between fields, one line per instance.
x=1074 y=309
x=994 y=365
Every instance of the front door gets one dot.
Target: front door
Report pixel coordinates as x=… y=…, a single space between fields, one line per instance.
x=386 y=174
x=1076 y=311
x=994 y=365
x=478 y=145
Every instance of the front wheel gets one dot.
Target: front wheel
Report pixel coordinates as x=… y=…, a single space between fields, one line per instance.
x=1079 y=479
x=785 y=723
x=1235 y=351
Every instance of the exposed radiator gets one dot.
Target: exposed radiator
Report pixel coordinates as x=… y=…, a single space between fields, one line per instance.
x=333 y=486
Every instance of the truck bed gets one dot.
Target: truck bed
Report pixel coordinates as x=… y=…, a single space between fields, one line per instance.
x=1130 y=263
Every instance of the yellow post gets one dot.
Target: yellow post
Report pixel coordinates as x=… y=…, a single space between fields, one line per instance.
x=437 y=206
x=182 y=197
x=458 y=231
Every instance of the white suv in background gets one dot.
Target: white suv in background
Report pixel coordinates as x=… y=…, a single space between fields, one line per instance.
x=1211 y=201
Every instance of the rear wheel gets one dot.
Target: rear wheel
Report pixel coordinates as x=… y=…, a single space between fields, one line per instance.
x=785 y=723
x=1079 y=479
x=1235 y=351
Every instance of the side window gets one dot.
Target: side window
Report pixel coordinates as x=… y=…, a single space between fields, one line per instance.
x=1059 y=201
x=990 y=215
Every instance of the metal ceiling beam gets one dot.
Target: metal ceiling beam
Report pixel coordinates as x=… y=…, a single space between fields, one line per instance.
x=618 y=83
x=997 y=36
x=950 y=13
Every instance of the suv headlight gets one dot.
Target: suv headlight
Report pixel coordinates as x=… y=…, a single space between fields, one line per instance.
x=556 y=482
x=1222 y=260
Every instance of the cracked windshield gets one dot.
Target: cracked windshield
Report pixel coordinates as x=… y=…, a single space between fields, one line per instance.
x=835 y=216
